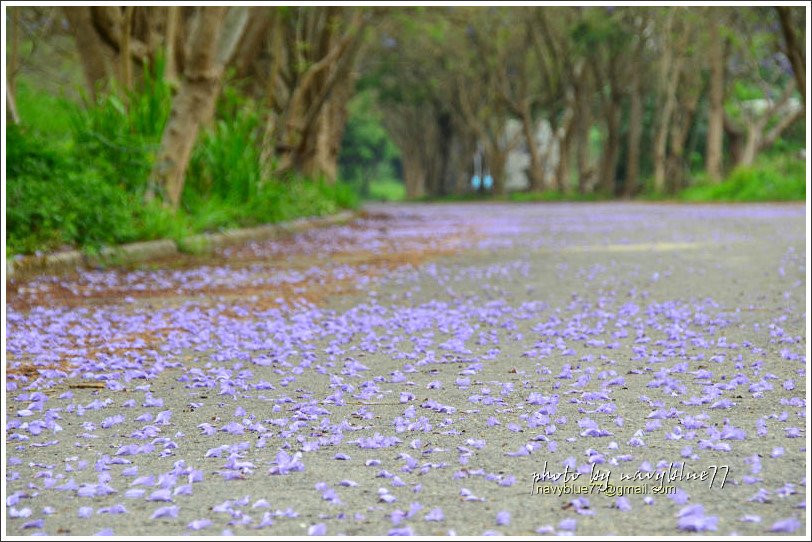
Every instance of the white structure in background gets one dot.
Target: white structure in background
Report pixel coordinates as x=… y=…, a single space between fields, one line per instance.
x=518 y=162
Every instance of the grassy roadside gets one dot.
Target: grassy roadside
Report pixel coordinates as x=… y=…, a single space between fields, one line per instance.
x=76 y=176
x=772 y=178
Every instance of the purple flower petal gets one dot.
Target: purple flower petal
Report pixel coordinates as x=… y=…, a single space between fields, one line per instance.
x=787 y=525
x=436 y=514
x=161 y=495
x=199 y=524
x=503 y=518
x=165 y=512
x=623 y=504
x=33 y=524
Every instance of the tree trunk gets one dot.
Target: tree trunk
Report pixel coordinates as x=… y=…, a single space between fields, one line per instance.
x=13 y=63
x=795 y=48
x=536 y=172
x=562 y=170
x=678 y=168
x=171 y=64
x=90 y=46
x=321 y=161
x=414 y=175
x=11 y=105
x=496 y=160
x=611 y=148
x=755 y=139
x=582 y=148
x=124 y=56
x=211 y=44
x=323 y=82
x=751 y=145
x=563 y=137
x=634 y=137
x=663 y=125
x=191 y=108
x=716 y=113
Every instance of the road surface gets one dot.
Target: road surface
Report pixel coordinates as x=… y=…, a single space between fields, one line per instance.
x=470 y=369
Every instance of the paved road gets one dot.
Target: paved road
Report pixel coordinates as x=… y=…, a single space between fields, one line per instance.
x=429 y=369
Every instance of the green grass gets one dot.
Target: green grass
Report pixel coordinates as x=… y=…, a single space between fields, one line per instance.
x=771 y=178
x=43 y=112
x=76 y=174
x=387 y=190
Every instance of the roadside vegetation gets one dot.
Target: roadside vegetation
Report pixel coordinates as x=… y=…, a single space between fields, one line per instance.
x=145 y=122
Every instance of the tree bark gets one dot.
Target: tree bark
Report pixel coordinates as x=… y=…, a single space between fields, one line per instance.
x=795 y=48
x=584 y=123
x=716 y=113
x=172 y=31
x=124 y=57
x=211 y=44
x=562 y=170
x=751 y=145
x=318 y=96
x=90 y=46
x=11 y=105
x=663 y=125
x=496 y=159
x=536 y=172
x=13 y=64
x=611 y=148
x=677 y=166
x=755 y=140
x=414 y=174
x=634 y=136
x=564 y=134
x=193 y=104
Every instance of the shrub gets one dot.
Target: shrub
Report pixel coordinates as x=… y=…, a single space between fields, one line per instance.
x=89 y=211
x=771 y=178
x=226 y=162
x=120 y=139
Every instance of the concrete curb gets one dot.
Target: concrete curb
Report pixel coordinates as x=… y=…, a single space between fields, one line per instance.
x=64 y=262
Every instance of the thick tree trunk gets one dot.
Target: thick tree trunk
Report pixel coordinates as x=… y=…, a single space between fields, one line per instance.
x=611 y=148
x=795 y=48
x=678 y=168
x=536 y=171
x=325 y=83
x=634 y=137
x=562 y=170
x=92 y=50
x=414 y=175
x=751 y=144
x=321 y=160
x=716 y=113
x=124 y=58
x=211 y=44
x=563 y=135
x=583 y=123
x=172 y=31
x=496 y=159
x=755 y=140
x=191 y=108
x=661 y=138
x=671 y=68
x=13 y=62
